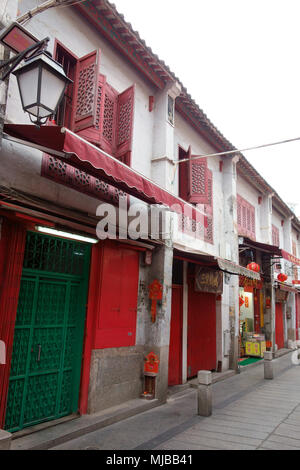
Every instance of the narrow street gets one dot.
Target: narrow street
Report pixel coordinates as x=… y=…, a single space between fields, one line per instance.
x=248 y=413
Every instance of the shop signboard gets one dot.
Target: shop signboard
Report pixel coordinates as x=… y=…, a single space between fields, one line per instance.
x=208 y=280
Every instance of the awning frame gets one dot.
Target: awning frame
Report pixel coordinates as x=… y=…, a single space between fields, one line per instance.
x=68 y=145
x=216 y=263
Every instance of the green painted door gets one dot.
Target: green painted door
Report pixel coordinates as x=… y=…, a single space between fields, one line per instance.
x=48 y=338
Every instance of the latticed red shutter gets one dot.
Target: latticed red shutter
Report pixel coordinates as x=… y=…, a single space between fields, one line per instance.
x=125 y=112
x=245 y=218
x=208 y=209
x=275 y=235
x=198 y=180
x=85 y=91
x=93 y=133
x=108 y=130
x=239 y=211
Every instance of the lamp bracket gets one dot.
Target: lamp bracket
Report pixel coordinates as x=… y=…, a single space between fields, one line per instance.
x=14 y=61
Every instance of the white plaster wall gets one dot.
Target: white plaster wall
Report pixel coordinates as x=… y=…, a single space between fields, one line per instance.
x=77 y=35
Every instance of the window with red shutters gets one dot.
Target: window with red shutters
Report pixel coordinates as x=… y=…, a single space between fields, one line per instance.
x=196 y=187
x=96 y=111
x=193 y=179
x=245 y=218
x=208 y=209
x=275 y=235
x=294 y=252
x=69 y=62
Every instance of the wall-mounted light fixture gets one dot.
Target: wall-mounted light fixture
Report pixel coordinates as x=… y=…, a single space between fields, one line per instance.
x=72 y=236
x=41 y=80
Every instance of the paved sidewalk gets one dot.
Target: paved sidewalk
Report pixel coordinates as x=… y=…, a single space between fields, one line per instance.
x=248 y=413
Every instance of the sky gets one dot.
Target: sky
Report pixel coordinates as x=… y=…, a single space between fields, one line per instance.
x=240 y=62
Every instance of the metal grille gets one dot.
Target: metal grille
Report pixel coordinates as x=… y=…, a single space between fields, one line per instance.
x=46 y=359
x=54 y=255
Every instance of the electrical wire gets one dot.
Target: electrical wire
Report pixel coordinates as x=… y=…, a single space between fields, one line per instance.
x=46 y=6
x=228 y=152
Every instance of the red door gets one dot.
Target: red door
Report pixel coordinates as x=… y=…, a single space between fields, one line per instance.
x=175 y=348
x=116 y=322
x=279 y=333
x=201 y=346
x=297 y=317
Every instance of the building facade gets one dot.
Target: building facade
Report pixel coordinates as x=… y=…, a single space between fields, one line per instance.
x=77 y=317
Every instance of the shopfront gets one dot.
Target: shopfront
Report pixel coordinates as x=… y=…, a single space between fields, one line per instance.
x=199 y=336
x=251 y=318
x=255 y=298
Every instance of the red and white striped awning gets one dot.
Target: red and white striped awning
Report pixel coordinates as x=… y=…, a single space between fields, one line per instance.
x=78 y=152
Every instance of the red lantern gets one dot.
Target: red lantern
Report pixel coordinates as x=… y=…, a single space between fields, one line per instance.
x=254 y=267
x=282 y=277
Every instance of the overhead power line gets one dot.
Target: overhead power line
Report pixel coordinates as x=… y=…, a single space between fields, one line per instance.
x=46 y=6
x=197 y=157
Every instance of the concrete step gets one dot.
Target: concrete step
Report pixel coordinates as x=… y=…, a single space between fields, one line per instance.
x=59 y=433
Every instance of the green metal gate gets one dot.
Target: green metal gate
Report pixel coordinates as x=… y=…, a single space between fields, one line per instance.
x=47 y=349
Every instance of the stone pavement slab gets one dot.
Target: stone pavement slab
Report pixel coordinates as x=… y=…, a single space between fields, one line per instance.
x=281 y=440
x=248 y=413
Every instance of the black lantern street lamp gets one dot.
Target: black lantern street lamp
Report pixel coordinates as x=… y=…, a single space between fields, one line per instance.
x=42 y=83
x=41 y=80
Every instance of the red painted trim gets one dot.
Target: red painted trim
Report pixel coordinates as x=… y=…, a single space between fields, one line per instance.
x=59 y=43
x=151 y=103
x=175 y=346
x=89 y=336
x=279 y=326
x=29 y=218
x=12 y=247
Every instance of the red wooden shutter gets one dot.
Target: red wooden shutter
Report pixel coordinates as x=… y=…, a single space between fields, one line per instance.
x=85 y=91
x=239 y=211
x=93 y=133
x=108 y=125
x=275 y=235
x=125 y=113
x=198 y=180
x=252 y=221
x=245 y=218
x=208 y=209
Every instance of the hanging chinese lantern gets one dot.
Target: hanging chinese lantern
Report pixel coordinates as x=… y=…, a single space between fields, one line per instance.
x=282 y=277
x=253 y=267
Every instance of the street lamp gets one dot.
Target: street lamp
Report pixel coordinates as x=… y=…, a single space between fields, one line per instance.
x=42 y=83
x=41 y=80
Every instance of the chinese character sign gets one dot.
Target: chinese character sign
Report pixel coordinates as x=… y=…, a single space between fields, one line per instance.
x=155 y=294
